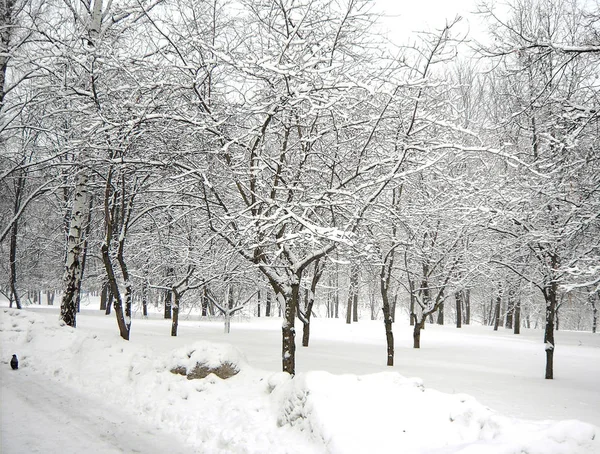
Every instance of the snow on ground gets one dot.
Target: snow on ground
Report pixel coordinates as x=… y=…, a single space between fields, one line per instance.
x=87 y=387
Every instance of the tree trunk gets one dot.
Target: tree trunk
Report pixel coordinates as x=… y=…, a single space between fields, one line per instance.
x=387 y=319
x=305 y=334
x=73 y=269
x=419 y=324
x=103 y=296
x=204 y=300
x=145 y=299
x=309 y=301
x=458 y=299
x=84 y=254
x=306 y=320
x=349 y=309
x=268 y=304
x=336 y=303
x=352 y=295
x=109 y=302
x=440 y=317
x=227 y=327
x=550 y=296
x=114 y=290
x=228 y=306
x=510 y=307
x=288 y=329
x=258 y=305
x=385 y=278
x=517 y=317
x=413 y=315
x=467 y=307
x=19 y=187
x=594 y=313
x=336 y=292
x=128 y=287
x=168 y=303
x=50 y=295
x=497 y=312
x=6 y=19
x=175 y=313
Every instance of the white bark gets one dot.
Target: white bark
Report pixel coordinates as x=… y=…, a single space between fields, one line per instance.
x=73 y=269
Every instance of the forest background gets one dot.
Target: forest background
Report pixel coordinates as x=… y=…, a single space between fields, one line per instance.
x=284 y=157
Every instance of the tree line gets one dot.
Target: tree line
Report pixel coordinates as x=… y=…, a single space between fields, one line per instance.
x=285 y=152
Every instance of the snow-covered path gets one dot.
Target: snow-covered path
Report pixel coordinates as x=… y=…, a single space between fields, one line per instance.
x=41 y=416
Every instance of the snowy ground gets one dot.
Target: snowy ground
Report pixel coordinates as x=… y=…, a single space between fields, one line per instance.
x=86 y=390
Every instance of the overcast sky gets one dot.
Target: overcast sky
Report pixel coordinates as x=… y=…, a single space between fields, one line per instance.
x=404 y=18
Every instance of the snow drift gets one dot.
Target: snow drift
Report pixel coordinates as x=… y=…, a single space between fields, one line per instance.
x=256 y=411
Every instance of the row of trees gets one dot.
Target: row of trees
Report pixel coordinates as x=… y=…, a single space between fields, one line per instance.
x=201 y=148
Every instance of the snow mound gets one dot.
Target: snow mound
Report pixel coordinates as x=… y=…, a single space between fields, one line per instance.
x=203 y=358
x=385 y=411
x=256 y=411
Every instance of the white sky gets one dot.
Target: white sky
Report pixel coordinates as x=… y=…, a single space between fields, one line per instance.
x=405 y=17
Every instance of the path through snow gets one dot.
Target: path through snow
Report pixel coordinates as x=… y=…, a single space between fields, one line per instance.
x=41 y=416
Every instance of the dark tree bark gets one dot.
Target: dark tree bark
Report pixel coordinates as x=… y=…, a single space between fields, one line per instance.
x=384 y=282
x=413 y=314
x=458 y=300
x=268 y=305
x=497 y=311
x=550 y=295
x=168 y=295
x=419 y=325
x=306 y=322
x=204 y=301
x=168 y=305
x=116 y=294
x=349 y=307
x=258 y=305
x=50 y=295
x=175 y=313
x=440 y=315
x=145 y=299
x=352 y=295
x=109 y=302
x=103 y=295
x=122 y=305
x=84 y=250
x=517 y=317
x=19 y=187
x=305 y=315
x=510 y=307
x=336 y=295
x=288 y=330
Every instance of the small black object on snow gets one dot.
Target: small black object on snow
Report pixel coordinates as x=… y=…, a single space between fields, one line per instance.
x=14 y=362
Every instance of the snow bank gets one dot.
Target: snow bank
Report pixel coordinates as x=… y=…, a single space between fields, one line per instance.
x=256 y=411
